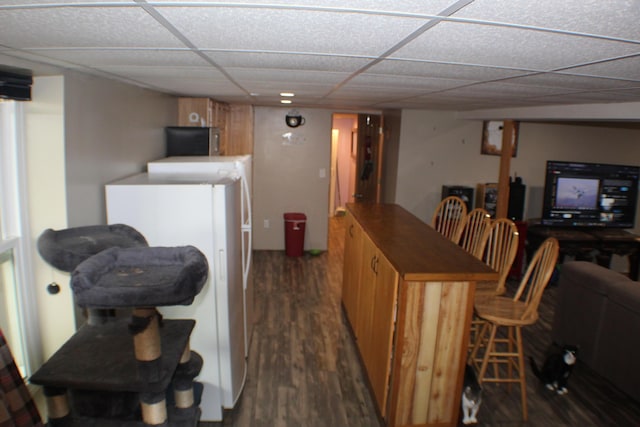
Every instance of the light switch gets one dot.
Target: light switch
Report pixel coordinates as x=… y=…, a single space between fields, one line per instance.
x=323 y=173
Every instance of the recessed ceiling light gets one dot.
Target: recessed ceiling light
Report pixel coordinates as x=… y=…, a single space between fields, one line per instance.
x=286 y=101
x=287 y=94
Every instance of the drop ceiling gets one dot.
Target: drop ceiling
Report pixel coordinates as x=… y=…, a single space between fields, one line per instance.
x=342 y=54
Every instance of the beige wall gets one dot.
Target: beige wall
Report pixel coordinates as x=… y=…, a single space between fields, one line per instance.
x=438 y=149
x=81 y=133
x=287 y=176
x=111 y=130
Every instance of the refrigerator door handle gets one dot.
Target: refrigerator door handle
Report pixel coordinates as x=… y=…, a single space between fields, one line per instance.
x=246 y=259
x=222 y=269
x=246 y=199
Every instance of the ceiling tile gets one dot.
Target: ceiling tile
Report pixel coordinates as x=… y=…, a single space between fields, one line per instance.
x=438 y=70
x=628 y=68
x=282 y=61
x=571 y=81
x=140 y=57
x=620 y=19
x=419 y=7
x=83 y=27
x=508 y=47
x=416 y=85
x=279 y=30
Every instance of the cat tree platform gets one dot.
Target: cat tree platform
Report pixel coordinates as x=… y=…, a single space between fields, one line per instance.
x=65 y=249
x=129 y=372
x=100 y=360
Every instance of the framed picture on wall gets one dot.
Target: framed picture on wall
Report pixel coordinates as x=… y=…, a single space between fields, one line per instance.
x=492 y=138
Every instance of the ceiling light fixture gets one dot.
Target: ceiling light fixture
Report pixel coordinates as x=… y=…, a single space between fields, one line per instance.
x=287 y=94
x=286 y=101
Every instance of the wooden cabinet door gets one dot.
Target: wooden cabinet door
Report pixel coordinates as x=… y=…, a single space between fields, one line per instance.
x=240 y=129
x=220 y=120
x=383 y=325
x=194 y=112
x=375 y=319
x=366 y=299
x=352 y=269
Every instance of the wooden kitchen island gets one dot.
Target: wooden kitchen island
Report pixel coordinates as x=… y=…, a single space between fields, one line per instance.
x=408 y=296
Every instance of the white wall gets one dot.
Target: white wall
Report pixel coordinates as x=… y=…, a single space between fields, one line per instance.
x=44 y=136
x=437 y=148
x=287 y=176
x=112 y=130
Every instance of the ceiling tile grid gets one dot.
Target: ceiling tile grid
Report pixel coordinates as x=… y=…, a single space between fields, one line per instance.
x=351 y=54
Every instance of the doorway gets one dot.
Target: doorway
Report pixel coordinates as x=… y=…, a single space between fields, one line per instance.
x=343 y=162
x=356 y=160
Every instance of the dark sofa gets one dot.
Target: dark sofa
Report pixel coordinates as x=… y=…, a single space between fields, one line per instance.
x=599 y=310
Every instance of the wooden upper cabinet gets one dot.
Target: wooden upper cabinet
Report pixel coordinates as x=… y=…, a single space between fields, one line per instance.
x=240 y=133
x=234 y=122
x=195 y=112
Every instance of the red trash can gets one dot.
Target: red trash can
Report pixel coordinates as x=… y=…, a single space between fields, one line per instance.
x=294 y=225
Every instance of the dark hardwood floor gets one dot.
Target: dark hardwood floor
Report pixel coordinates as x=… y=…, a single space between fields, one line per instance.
x=304 y=369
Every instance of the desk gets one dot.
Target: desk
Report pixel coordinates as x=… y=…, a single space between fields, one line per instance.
x=589 y=244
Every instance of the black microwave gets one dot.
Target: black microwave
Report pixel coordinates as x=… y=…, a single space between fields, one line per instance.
x=192 y=141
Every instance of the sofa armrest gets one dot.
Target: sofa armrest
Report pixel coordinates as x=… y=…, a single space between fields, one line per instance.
x=581 y=304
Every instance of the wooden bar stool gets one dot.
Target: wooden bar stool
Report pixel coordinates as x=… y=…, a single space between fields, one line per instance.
x=512 y=314
x=475 y=232
x=500 y=251
x=448 y=218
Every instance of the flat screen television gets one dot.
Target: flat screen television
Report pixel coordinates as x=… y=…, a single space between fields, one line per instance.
x=590 y=195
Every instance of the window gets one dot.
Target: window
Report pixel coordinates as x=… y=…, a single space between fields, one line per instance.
x=17 y=307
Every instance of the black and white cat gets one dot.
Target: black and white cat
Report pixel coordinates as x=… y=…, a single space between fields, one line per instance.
x=471 y=396
x=557 y=369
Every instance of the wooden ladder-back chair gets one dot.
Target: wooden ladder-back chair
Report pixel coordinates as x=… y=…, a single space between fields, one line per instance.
x=500 y=252
x=475 y=232
x=448 y=218
x=512 y=313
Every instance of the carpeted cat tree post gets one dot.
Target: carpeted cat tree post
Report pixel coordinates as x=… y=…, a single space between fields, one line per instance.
x=120 y=372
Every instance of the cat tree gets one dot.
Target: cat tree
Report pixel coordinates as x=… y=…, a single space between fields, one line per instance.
x=133 y=372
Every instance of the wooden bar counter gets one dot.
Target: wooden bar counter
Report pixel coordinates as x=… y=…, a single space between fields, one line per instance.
x=408 y=295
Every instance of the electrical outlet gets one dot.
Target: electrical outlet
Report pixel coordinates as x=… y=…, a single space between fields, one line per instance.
x=266 y=223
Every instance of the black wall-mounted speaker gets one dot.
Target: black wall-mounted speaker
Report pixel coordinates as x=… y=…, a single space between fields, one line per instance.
x=517 y=192
x=15 y=83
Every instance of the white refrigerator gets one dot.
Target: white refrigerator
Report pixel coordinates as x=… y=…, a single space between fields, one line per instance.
x=222 y=166
x=204 y=212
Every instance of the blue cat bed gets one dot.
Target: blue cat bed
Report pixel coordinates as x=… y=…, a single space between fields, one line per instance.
x=140 y=277
x=65 y=249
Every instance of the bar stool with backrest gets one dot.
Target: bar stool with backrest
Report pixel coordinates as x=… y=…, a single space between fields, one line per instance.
x=512 y=314
x=475 y=232
x=500 y=252
x=448 y=218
